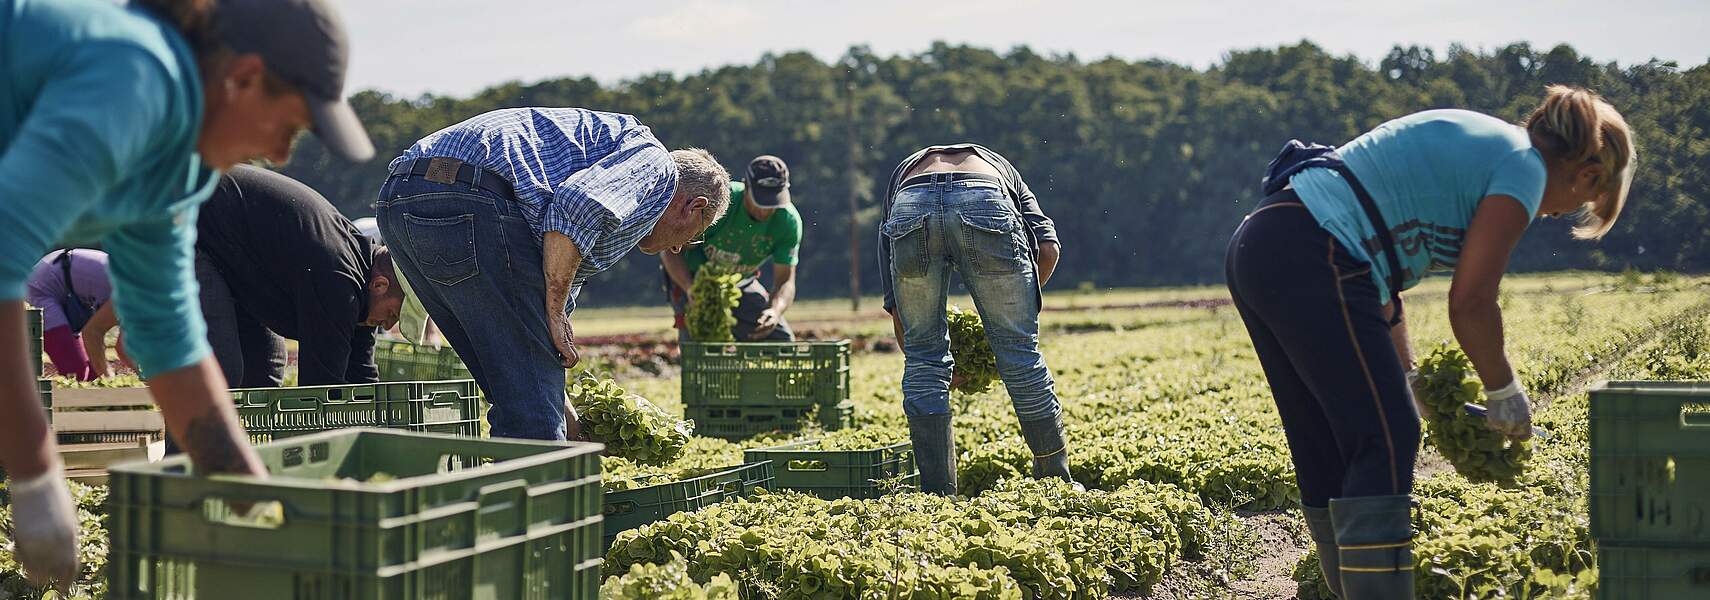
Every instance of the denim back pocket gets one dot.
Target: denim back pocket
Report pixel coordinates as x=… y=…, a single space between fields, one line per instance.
x=443 y=248
x=993 y=243
x=907 y=236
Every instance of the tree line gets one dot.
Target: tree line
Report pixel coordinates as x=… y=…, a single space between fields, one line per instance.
x=1146 y=166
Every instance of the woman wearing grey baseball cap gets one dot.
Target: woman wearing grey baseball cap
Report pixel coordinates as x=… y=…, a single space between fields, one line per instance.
x=115 y=121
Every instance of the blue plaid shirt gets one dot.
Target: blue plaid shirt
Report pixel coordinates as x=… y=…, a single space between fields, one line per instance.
x=599 y=178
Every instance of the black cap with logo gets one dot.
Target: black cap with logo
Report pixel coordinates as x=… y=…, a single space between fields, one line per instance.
x=769 y=181
x=303 y=42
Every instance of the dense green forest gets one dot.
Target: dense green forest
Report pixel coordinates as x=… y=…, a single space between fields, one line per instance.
x=1146 y=166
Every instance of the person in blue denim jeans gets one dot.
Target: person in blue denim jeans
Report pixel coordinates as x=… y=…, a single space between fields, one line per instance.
x=965 y=207
x=496 y=222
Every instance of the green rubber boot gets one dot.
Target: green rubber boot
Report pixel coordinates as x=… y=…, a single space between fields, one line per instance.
x=1050 y=452
x=934 y=453
x=1324 y=537
x=1375 y=536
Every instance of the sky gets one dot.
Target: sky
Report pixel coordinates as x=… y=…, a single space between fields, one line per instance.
x=411 y=47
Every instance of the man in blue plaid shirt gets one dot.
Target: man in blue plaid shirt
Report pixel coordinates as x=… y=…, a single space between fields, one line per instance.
x=497 y=221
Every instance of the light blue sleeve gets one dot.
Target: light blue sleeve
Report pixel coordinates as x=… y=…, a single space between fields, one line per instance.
x=154 y=291
x=86 y=127
x=1520 y=175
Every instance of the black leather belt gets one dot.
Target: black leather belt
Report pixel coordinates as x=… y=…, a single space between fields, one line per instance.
x=451 y=170
x=949 y=177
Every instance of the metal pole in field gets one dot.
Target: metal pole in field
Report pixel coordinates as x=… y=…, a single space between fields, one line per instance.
x=854 y=194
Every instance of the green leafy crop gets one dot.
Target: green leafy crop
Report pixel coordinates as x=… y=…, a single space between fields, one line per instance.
x=712 y=297
x=975 y=362
x=1478 y=452
x=629 y=425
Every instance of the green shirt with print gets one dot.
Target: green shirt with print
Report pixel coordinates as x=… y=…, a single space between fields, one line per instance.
x=740 y=240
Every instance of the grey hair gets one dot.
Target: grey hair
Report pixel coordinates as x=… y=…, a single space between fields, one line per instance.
x=699 y=174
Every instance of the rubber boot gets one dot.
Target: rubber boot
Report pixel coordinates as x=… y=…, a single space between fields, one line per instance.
x=934 y=453
x=1375 y=535
x=1324 y=537
x=1050 y=452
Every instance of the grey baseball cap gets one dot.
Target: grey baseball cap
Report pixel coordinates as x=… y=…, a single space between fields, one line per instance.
x=302 y=42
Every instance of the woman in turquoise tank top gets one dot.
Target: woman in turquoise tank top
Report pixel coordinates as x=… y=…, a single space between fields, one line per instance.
x=1315 y=271
x=114 y=123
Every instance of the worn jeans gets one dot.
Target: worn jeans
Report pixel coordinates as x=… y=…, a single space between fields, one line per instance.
x=477 y=268
x=754 y=301
x=1318 y=326
x=967 y=223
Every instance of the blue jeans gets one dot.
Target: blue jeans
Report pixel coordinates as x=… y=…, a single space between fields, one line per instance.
x=474 y=262
x=970 y=225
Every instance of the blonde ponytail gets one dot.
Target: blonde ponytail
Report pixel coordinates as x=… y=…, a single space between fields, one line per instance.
x=1574 y=126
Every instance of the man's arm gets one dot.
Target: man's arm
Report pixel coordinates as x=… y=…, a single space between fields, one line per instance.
x=94 y=336
x=1049 y=254
x=677 y=269
x=783 y=292
x=562 y=259
x=361 y=367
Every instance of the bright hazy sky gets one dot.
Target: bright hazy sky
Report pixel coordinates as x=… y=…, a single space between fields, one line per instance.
x=410 y=47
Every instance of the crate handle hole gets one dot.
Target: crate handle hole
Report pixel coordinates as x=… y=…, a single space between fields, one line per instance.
x=267 y=514
x=1695 y=415
x=807 y=465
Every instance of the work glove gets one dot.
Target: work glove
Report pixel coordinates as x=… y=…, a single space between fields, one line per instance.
x=1509 y=410
x=44 y=528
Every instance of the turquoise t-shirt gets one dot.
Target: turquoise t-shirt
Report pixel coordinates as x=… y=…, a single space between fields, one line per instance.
x=1427 y=173
x=100 y=109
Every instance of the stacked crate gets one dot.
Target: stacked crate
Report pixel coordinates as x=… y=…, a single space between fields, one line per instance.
x=98 y=427
x=1650 y=488
x=737 y=390
x=403 y=361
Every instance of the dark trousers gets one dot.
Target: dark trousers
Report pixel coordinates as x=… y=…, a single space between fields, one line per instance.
x=1318 y=327
x=250 y=355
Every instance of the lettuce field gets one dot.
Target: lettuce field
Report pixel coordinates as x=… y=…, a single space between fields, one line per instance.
x=1189 y=488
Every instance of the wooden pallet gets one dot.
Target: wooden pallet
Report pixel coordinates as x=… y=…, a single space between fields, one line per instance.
x=87 y=463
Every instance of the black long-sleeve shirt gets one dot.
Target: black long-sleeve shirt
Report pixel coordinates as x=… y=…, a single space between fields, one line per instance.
x=298 y=266
x=1040 y=229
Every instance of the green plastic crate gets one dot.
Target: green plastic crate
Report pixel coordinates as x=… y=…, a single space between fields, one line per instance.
x=1650 y=463
x=522 y=522
x=743 y=422
x=403 y=361
x=629 y=509
x=1652 y=573
x=33 y=317
x=858 y=474
x=780 y=374
x=452 y=406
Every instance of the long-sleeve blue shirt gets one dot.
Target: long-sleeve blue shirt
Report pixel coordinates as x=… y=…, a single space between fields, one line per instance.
x=100 y=109
x=599 y=178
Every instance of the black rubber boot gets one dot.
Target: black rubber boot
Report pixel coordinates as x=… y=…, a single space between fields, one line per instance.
x=934 y=453
x=1324 y=537
x=1375 y=536
x=1050 y=452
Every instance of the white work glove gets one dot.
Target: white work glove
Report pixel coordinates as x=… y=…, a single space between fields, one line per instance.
x=44 y=527
x=1509 y=411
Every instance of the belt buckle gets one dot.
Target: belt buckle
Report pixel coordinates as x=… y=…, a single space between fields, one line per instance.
x=443 y=170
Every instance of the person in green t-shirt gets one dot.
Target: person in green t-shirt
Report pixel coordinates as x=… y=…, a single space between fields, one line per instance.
x=767 y=228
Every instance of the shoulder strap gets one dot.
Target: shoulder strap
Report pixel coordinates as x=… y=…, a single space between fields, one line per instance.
x=64 y=261
x=1383 y=235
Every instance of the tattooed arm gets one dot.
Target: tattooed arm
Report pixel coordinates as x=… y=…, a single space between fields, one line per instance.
x=201 y=418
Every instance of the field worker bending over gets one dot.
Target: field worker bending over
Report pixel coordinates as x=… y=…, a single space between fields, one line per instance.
x=1316 y=273
x=497 y=221
x=766 y=227
x=73 y=291
x=277 y=261
x=964 y=207
x=114 y=123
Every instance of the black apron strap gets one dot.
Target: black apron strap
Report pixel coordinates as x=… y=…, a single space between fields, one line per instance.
x=1384 y=238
